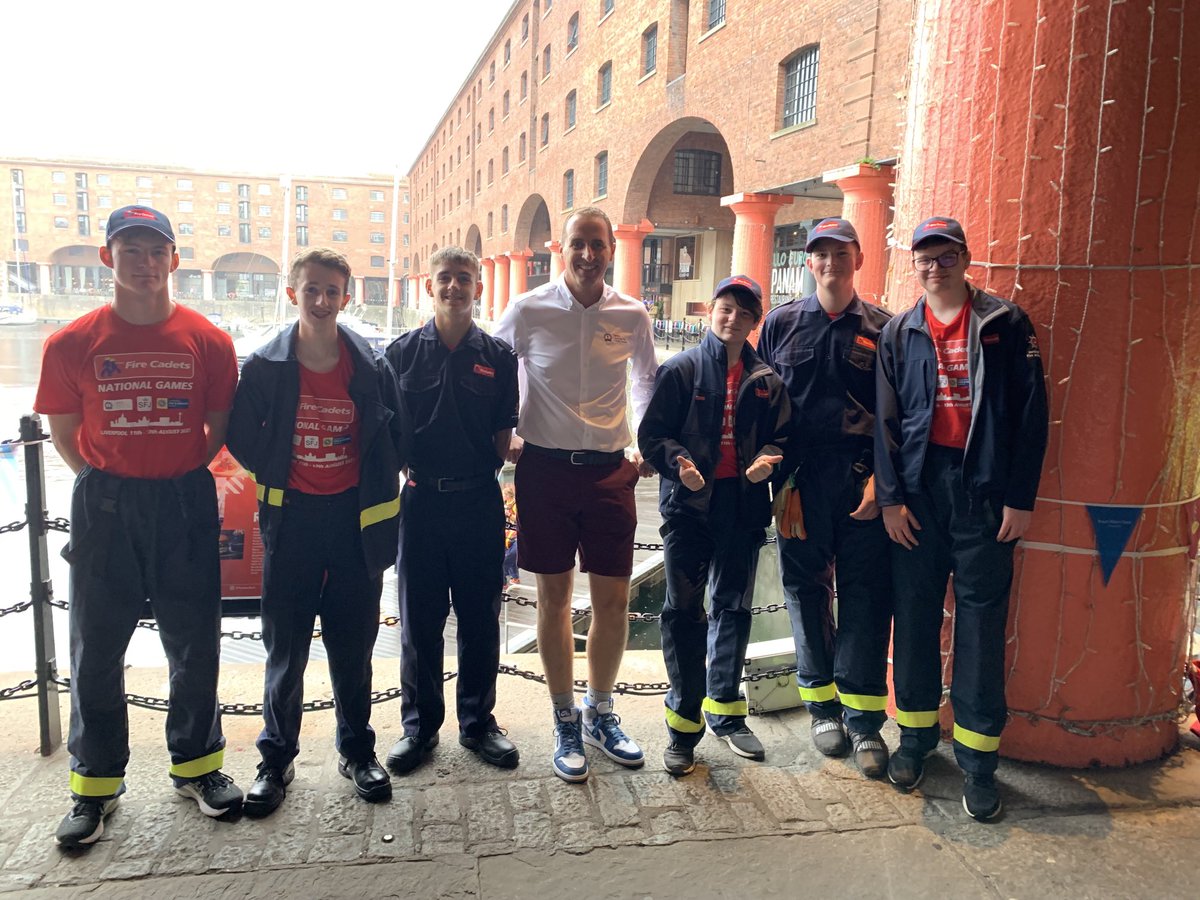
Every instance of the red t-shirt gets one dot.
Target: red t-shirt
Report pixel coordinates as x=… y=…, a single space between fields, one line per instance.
x=952 y=398
x=727 y=462
x=143 y=391
x=325 y=441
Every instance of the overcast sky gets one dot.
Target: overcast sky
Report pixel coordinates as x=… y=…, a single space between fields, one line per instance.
x=347 y=87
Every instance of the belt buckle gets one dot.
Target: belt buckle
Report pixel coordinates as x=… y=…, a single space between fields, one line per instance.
x=579 y=462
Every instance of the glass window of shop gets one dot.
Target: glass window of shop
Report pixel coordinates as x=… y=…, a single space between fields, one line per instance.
x=789 y=276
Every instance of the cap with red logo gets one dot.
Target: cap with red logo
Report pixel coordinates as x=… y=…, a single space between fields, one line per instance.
x=739 y=283
x=940 y=227
x=138 y=217
x=838 y=229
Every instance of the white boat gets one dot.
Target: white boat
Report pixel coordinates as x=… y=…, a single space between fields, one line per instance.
x=17 y=315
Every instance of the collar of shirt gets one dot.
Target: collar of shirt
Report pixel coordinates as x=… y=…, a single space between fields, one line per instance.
x=472 y=338
x=812 y=304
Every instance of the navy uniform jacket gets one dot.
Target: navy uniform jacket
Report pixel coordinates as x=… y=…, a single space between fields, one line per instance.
x=1009 y=427
x=684 y=418
x=264 y=419
x=829 y=369
x=455 y=401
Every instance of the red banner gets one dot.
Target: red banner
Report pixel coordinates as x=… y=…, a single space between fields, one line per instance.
x=240 y=544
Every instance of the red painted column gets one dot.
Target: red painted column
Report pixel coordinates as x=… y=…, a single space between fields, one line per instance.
x=867 y=204
x=416 y=290
x=518 y=272
x=487 y=274
x=627 y=261
x=1070 y=160
x=556 y=260
x=754 y=238
x=500 y=291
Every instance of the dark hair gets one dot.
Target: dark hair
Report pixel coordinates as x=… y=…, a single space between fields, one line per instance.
x=320 y=256
x=744 y=299
x=590 y=212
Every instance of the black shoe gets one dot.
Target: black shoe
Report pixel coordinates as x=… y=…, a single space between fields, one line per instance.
x=745 y=743
x=409 y=752
x=268 y=790
x=493 y=747
x=981 y=797
x=870 y=752
x=829 y=735
x=371 y=782
x=679 y=761
x=215 y=793
x=906 y=768
x=84 y=824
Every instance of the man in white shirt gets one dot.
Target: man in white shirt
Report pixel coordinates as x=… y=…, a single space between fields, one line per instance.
x=575 y=338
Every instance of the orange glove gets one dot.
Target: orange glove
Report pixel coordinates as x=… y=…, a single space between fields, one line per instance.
x=789 y=511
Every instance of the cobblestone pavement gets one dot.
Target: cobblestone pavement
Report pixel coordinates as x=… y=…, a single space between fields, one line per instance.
x=457 y=827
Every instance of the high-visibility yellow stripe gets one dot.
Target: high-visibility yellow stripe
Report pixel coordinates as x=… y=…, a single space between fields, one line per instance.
x=734 y=708
x=919 y=719
x=678 y=723
x=380 y=512
x=196 y=767
x=864 y=702
x=985 y=743
x=87 y=786
x=822 y=694
x=260 y=490
x=274 y=496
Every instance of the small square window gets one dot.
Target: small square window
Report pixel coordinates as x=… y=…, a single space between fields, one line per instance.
x=223 y=208
x=103 y=180
x=376 y=237
x=264 y=210
x=223 y=187
x=378 y=262
x=185 y=228
x=187 y=253
x=184 y=206
x=224 y=231
x=183 y=184
x=61 y=222
x=264 y=190
x=264 y=231
x=58 y=177
x=341 y=236
x=376 y=216
x=144 y=181
x=376 y=196
x=339 y=193
x=339 y=215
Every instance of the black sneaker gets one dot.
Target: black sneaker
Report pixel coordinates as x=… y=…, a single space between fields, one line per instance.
x=409 y=752
x=679 y=761
x=370 y=780
x=829 y=735
x=494 y=747
x=981 y=797
x=215 y=793
x=268 y=790
x=84 y=824
x=906 y=768
x=745 y=742
x=870 y=753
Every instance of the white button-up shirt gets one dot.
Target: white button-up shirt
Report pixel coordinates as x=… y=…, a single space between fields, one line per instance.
x=574 y=364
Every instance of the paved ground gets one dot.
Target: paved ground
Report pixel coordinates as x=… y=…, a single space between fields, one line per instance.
x=798 y=824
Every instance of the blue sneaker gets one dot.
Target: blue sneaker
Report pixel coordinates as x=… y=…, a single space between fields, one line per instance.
x=569 y=762
x=602 y=728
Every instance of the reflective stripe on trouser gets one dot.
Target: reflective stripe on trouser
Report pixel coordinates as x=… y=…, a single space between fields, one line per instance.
x=717 y=554
x=133 y=539
x=958 y=535
x=851 y=653
x=316 y=567
x=451 y=553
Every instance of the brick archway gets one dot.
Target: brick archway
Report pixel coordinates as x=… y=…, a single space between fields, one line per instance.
x=473 y=241
x=533 y=226
x=648 y=182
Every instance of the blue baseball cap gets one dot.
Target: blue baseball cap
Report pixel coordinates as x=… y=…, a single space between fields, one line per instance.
x=838 y=229
x=941 y=227
x=138 y=217
x=742 y=283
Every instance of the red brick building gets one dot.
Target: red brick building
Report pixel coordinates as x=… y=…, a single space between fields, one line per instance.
x=713 y=132
x=234 y=230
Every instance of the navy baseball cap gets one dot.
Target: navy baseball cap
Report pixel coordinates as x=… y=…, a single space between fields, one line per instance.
x=138 y=217
x=838 y=229
x=739 y=283
x=941 y=227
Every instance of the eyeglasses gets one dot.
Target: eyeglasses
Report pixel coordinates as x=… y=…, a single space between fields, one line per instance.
x=947 y=260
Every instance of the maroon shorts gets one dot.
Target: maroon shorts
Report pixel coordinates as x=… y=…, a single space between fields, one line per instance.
x=563 y=508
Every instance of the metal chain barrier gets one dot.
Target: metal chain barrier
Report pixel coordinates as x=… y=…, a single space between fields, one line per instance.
x=18 y=691
x=12 y=526
x=20 y=607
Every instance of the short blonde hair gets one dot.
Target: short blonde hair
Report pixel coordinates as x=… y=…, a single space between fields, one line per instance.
x=319 y=256
x=454 y=255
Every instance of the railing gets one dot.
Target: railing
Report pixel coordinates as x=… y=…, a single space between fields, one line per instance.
x=46 y=682
x=678 y=332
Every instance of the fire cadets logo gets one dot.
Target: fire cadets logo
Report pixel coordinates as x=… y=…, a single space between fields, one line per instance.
x=1032 y=351
x=863 y=341
x=825 y=226
x=936 y=223
x=139 y=213
x=762 y=392
x=485 y=371
x=140 y=365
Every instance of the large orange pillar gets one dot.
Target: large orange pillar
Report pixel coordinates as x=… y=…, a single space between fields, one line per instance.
x=518 y=272
x=867 y=205
x=416 y=290
x=487 y=275
x=754 y=238
x=1070 y=160
x=556 y=260
x=627 y=261
x=500 y=285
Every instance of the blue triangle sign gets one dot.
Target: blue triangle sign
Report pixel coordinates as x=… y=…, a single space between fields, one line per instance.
x=1113 y=525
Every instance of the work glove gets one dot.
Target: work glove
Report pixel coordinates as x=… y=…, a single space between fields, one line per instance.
x=788 y=511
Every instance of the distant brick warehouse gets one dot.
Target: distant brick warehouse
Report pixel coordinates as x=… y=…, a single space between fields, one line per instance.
x=230 y=227
x=713 y=132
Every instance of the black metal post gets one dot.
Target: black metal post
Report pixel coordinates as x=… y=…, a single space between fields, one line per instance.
x=40 y=589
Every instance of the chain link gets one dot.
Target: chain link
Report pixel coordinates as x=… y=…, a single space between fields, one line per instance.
x=59 y=524
x=12 y=692
x=20 y=607
x=12 y=526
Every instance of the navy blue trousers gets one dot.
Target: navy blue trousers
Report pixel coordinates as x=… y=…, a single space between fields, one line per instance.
x=132 y=540
x=958 y=535
x=841 y=663
x=451 y=554
x=317 y=568
x=718 y=554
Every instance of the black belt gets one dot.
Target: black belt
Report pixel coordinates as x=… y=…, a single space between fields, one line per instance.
x=452 y=483
x=580 y=457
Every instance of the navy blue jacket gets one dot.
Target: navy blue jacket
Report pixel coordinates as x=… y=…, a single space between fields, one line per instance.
x=1009 y=427
x=684 y=419
x=264 y=420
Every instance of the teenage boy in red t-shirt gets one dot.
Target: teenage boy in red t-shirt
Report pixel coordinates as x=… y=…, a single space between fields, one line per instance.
x=714 y=430
x=962 y=429
x=137 y=393
x=316 y=419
